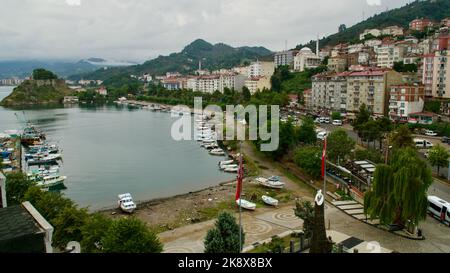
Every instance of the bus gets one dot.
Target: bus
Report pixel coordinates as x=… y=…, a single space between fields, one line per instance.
x=439 y=208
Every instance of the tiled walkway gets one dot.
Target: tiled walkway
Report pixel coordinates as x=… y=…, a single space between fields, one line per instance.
x=354 y=209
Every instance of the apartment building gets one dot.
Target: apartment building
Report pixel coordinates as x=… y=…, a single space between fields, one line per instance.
x=307 y=98
x=392 y=30
x=260 y=69
x=405 y=100
x=329 y=91
x=216 y=82
x=420 y=24
x=389 y=53
x=427 y=70
x=255 y=84
x=441 y=75
x=338 y=63
x=285 y=58
x=370 y=87
x=374 y=32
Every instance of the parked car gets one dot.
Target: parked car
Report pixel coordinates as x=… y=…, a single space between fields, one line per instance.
x=445 y=140
x=337 y=122
x=423 y=143
x=430 y=133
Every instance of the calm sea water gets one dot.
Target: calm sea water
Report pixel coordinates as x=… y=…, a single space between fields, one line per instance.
x=109 y=150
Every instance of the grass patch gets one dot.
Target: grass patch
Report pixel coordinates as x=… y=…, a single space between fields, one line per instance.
x=205 y=214
x=254 y=193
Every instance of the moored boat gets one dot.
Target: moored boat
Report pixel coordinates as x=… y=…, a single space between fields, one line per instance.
x=217 y=152
x=51 y=181
x=126 y=203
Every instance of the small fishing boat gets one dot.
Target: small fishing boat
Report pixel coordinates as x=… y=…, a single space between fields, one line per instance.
x=225 y=166
x=51 y=181
x=246 y=204
x=231 y=170
x=217 y=152
x=225 y=162
x=212 y=146
x=126 y=203
x=269 y=200
x=51 y=158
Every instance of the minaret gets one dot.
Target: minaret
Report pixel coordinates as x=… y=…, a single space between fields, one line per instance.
x=317 y=46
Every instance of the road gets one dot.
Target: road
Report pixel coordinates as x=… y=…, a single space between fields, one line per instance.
x=438 y=188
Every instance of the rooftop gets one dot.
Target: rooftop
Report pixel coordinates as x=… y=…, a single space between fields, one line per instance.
x=16 y=222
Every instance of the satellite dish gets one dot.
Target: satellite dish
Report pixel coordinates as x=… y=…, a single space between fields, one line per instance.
x=319 y=198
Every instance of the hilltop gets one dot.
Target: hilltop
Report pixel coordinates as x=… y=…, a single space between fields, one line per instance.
x=435 y=10
x=213 y=57
x=44 y=88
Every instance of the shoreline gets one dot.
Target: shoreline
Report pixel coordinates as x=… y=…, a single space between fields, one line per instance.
x=159 y=200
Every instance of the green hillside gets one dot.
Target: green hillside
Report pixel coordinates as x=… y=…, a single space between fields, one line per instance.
x=212 y=56
x=46 y=89
x=432 y=9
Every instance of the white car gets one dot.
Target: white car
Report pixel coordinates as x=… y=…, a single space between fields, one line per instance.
x=423 y=144
x=430 y=133
x=322 y=135
x=337 y=122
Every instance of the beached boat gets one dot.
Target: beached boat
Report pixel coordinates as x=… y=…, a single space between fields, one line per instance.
x=273 y=184
x=246 y=204
x=51 y=181
x=269 y=200
x=126 y=203
x=217 y=152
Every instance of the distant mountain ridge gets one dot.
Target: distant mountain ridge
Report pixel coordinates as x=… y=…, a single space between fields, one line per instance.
x=211 y=56
x=431 y=9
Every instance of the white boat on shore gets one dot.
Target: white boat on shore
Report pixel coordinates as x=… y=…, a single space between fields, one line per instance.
x=246 y=204
x=269 y=200
x=225 y=162
x=217 y=152
x=126 y=203
x=225 y=166
x=273 y=184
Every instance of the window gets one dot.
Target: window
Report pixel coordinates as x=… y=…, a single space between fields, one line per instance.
x=434 y=207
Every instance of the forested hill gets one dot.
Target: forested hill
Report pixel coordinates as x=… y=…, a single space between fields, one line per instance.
x=432 y=9
x=212 y=57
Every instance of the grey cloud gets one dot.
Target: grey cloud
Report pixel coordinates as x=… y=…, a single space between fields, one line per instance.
x=140 y=29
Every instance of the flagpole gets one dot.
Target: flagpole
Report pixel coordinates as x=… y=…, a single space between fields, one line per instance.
x=240 y=198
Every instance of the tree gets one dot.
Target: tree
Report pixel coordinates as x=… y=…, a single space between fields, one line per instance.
x=438 y=156
x=362 y=117
x=402 y=138
x=309 y=159
x=368 y=154
x=93 y=231
x=68 y=225
x=342 y=28
x=49 y=204
x=399 y=191
x=401 y=67
x=336 y=116
x=42 y=74
x=339 y=145
x=306 y=132
x=305 y=211
x=287 y=139
x=370 y=131
x=17 y=184
x=130 y=235
x=224 y=237
x=246 y=93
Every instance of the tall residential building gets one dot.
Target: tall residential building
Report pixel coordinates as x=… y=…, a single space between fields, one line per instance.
x=255 y=84
x=285 y=58
x=371 y=87
x=216 y=82
x=260 y=69
x=427 y=70
x=329 y=92
x=307 y=98
x=405 y=100
x=389 y=53
x=441 y=75
x=338 y=63
x=392 y=30
x=306 y=59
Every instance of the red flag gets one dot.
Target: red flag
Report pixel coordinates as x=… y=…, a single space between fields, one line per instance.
x=324 y=157
x=240 y=177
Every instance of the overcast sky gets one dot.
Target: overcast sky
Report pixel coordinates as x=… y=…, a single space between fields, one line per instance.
x=137 y=30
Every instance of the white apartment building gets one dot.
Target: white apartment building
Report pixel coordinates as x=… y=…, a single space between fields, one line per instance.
x=329 y=91
x=373 y=43
x=257 y=83
x=216 y=82
x=392 y=30
x=306 y=59
x=355 y=48
x=441 y=75
x=388 y=54
x=285 y=58
x=260 y=69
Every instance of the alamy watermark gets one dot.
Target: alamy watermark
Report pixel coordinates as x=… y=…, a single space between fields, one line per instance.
x=236 y=118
